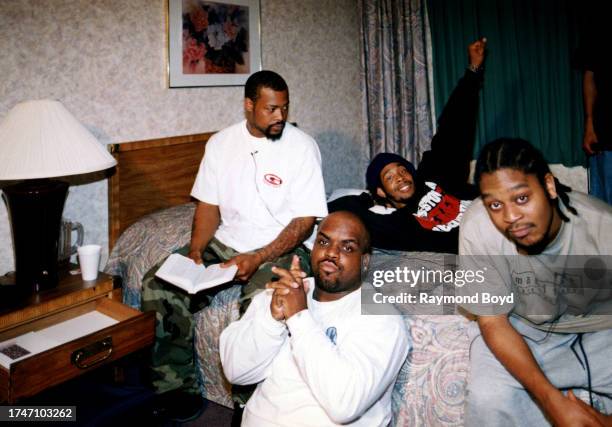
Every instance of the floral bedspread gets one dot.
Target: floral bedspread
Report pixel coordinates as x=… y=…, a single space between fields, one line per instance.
x=145 y=243
x=430 y=390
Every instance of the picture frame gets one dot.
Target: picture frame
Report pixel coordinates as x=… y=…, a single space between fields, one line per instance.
x=213 y=43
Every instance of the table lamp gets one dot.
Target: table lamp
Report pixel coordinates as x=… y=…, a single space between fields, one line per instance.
x=40 y=140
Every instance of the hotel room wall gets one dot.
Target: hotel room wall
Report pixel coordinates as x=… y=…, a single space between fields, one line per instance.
x=106 y=61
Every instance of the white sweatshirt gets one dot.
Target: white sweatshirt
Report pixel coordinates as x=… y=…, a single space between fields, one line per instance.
x=328 y=365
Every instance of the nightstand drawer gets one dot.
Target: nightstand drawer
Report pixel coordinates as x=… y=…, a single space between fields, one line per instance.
x=131 y=331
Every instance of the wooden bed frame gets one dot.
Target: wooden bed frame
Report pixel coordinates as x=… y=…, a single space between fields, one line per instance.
x=151 y=175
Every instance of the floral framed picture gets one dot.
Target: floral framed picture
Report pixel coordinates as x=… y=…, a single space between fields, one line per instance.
x=213 y=43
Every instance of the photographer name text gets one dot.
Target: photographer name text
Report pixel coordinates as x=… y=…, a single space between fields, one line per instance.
x=425 y=298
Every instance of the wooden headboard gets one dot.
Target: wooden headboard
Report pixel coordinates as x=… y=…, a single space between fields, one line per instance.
x=151 y=175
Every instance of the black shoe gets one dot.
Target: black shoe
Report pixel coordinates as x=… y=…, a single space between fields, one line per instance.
x=178 y=406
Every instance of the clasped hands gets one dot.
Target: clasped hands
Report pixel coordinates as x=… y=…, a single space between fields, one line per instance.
x=290 y=291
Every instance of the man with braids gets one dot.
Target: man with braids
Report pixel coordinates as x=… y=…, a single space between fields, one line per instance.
x=551 y=339
x=259 y=190
x=420 y=209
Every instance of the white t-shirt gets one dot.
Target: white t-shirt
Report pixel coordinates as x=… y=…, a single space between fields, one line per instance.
x=554 y=288
x=260 y=185
x=328 y=365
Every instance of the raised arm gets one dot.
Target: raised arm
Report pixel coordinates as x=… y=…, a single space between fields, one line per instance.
x=457 y=122
x=451 y=147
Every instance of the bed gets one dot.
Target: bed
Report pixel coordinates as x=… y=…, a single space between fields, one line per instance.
x=150 y=215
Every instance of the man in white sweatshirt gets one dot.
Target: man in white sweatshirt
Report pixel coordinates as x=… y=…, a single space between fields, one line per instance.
x=318 y=360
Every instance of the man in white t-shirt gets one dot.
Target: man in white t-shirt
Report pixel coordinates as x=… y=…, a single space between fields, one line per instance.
x=545 y=253
x=317 y=359
x=259 y=190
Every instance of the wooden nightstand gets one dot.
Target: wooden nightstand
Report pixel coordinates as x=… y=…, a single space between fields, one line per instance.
x=71 y=298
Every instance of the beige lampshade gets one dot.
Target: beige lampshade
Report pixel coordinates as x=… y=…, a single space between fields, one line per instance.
x=41 y=139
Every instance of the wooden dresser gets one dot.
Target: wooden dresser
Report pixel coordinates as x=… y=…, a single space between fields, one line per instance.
x=71 y=298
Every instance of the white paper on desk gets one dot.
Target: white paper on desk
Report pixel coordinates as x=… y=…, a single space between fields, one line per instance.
x=31 y=341
x=77 y=327
x=53 y=336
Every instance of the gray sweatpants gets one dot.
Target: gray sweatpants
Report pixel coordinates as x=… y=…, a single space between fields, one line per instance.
x=495 y=398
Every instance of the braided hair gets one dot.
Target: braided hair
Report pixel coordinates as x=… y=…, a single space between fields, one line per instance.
x=518 y=154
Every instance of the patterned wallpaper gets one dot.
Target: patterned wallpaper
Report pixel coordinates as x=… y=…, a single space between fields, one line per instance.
x=106 y=60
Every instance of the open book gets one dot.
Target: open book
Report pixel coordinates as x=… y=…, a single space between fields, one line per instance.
x=186 y=274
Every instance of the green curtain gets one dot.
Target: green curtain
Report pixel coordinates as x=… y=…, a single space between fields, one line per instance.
x=531 y=90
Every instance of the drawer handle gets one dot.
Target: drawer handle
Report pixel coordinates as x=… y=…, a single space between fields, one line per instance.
x=80 y=356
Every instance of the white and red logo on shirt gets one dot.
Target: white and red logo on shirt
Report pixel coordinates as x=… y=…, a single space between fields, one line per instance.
x=439 y=211
x=273 y=180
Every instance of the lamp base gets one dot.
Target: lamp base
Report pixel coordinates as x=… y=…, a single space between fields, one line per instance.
x=10 y=293
x=8 y=290
x=35 y=210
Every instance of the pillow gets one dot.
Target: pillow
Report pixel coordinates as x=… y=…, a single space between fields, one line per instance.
x=341 y=192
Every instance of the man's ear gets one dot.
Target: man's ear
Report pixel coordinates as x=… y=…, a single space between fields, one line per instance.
x=381 y=193
x=365 y=263
x=248 y=105
x=551 y=188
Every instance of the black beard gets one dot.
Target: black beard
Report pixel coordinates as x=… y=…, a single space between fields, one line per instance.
x=335 y=287
x=326 y=285
x=273 y=136
x=539 y=247
x=536 y=248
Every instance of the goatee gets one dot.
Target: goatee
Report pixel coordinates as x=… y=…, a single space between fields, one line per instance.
x=274 y=136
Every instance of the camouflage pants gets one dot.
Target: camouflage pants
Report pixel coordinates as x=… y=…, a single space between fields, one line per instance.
x=173 y=355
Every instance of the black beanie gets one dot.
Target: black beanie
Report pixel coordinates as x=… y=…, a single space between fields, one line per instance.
x=378 y=163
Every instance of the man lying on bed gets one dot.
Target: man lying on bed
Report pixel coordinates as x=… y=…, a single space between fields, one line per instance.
x=259 y=190
x=317 y=359
x=420 y=209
